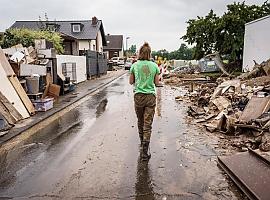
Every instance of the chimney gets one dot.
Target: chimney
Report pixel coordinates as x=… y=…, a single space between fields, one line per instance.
x=94 y=21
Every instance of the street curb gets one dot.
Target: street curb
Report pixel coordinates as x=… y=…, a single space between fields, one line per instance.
x=58 y=110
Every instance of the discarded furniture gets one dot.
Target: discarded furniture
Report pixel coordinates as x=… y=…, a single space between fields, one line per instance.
x=43 y=104
x=73 y=67
x=12 y=89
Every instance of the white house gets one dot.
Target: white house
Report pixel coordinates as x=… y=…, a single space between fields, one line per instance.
x=78 y=35
x=114 y=46
x=256 y=43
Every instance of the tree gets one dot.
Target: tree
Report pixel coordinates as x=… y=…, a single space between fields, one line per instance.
x=132 y=49
x=224 y=34
x=200 y=31
x=160 y=53
x=183 y=53
x=230 y=29
x=27 y=37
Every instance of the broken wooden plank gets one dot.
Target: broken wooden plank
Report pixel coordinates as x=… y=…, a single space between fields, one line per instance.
x=5 y=113
x=16 y=84
x=267 y=125
x=249 y=126
x=5 y=64
x=221 y=103
x=195 y=79
x=216 y=58
x=7 y=89
x=10 y=107
x=267 y=69
x=255 y=108
x=250 y=172
x=223 y=87
x=22 y=94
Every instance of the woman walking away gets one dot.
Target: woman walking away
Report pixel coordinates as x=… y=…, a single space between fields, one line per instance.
x=144 y=74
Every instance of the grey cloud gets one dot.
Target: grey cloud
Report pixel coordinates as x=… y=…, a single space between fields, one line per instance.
x=161 y=22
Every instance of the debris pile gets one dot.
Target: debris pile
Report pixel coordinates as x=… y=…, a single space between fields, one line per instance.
x=26 y=72
x=187 y=69
x=234 y=107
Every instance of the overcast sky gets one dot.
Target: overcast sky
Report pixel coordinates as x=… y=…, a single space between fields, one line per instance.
x=160 y=22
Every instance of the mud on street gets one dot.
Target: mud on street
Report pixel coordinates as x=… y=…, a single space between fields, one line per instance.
x=92 y=152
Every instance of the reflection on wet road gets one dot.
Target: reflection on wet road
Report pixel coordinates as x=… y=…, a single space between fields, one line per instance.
x=93 y=153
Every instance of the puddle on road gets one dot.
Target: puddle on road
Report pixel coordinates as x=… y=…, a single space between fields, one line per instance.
x=69 y=127
x=101 y=107
x=92 y=151
x=144 y=185
x=183 y=162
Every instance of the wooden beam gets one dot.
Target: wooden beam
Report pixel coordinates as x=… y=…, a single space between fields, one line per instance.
x=10 y=93
x=10 y=107
x=5 y=113
x=22 y=94
x=5 y=64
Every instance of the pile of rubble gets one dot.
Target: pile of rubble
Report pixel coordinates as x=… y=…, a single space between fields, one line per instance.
x=27 y=75
x=233 y=107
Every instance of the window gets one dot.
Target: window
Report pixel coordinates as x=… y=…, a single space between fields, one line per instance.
x=76 y=28
x=52 y=27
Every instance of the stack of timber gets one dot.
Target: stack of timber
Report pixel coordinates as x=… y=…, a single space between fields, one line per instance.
x=14 y=102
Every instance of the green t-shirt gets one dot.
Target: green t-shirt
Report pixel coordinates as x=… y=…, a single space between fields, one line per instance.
x=144 y=72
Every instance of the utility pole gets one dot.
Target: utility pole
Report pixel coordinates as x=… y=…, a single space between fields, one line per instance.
x=127 y=44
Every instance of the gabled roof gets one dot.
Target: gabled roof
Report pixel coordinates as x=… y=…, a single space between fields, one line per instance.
x=114 y=42
x=89 y=31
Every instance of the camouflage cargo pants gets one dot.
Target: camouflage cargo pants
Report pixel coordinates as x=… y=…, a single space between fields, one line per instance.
x=145 y=109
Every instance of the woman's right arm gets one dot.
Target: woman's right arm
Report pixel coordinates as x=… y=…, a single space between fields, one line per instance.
x=157 y=76
x=156 y=79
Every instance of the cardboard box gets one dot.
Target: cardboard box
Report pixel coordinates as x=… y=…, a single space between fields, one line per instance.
x=52 y=90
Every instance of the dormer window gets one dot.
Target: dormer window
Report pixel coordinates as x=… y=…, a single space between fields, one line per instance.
x=76 y=28
x=52 y=26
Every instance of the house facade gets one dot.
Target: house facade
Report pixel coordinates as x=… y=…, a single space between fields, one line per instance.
x=114 y=46
x=78 y=35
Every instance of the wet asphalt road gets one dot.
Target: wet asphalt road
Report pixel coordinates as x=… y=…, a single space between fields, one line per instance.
x=93 y=153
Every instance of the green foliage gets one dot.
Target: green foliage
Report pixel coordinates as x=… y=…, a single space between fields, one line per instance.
x=224 y=34
x=183 y=53
x=26 y=37
x=200 y=31
x=133 y=49
x=160 y=53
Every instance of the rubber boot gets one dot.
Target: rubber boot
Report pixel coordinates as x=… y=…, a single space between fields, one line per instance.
x=145 y=154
